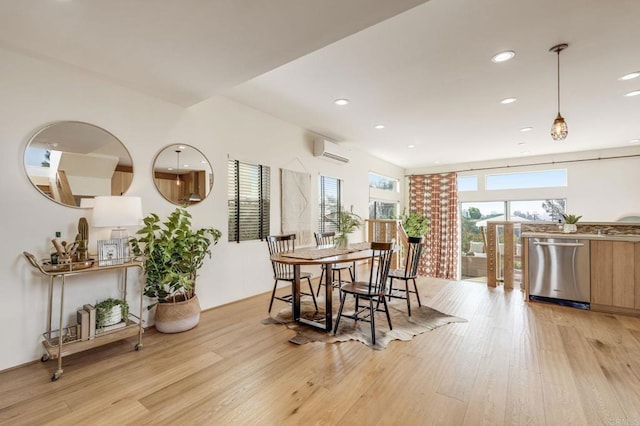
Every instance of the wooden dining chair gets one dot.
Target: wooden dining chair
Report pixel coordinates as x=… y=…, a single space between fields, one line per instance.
x=410 y=272
x=373 y=290
x=328 y=239
x=282 y=272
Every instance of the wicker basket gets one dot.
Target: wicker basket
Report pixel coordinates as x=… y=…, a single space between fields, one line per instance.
x=177 y=317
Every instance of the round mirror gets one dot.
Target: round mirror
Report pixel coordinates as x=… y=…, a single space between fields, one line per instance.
x=71 y=162
x=182 y=174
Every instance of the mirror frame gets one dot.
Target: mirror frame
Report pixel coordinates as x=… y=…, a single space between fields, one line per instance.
x=191 y=179
x=126 y=183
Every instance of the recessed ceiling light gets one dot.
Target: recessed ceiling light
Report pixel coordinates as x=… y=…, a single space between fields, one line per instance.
x=169 y=168
x=182 y=147
x=437 y=162
x=508 y=101
x=380 y=126
x=411 y=146
x=526 y=129
x=341 y=102
x=634 y=141
x=634 y=93
x=521 y=143
x=630 y=76
x=503 y=56
x=185 y=165
x=203 y=161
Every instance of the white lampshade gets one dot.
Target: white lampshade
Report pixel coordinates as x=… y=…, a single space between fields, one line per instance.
x=117 y=212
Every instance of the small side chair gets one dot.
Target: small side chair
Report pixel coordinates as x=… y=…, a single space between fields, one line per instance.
x=373 y=290
x=283 y=272
x=410 y=272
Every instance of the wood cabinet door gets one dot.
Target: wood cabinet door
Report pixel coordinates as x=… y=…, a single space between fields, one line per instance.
x=623 y=274
x=602 y=272
x=637 y=275
x=615 y=279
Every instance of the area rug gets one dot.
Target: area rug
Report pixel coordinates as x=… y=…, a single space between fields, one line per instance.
x=405 y=328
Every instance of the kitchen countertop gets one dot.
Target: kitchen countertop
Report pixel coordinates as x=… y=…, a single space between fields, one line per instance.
x=579 y=236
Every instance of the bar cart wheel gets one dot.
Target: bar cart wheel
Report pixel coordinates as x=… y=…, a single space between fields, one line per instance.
x=44 y=358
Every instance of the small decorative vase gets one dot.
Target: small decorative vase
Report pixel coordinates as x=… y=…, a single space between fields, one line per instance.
x=177 y=317
x=569 y=228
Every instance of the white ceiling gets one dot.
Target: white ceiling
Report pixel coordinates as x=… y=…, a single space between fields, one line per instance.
x=425 y=74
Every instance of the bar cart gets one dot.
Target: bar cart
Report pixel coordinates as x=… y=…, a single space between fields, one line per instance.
x=65 y=341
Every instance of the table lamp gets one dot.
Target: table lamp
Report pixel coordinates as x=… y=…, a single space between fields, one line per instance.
x=117 y=212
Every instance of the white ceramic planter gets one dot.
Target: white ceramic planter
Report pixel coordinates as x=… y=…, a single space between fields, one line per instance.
x=569 y=228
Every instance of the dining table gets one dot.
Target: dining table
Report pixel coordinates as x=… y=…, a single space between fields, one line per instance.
x=321 y=255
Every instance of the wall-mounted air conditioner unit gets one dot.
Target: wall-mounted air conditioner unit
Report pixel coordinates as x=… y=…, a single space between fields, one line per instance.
x=324 y=148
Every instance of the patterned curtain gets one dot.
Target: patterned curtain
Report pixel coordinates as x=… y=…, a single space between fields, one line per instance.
x=436 y=197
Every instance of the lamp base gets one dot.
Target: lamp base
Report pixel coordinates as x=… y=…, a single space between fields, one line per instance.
x=123 y=235
x=118 y=233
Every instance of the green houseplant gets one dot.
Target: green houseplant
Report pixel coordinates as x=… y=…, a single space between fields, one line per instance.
x=346 y=223
x=414 y=224
x=111 y=311
x=173 y=252
x=570 y=221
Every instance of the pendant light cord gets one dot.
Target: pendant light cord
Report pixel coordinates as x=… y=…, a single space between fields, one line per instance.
x=558 y=81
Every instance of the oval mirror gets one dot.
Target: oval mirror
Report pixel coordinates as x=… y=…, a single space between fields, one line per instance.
x=70 y=162
x=182 y=174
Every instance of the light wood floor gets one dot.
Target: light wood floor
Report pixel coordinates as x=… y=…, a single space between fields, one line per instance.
x=512 y=363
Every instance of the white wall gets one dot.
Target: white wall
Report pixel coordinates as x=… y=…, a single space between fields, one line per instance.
x=35 y=93
x=602 y=190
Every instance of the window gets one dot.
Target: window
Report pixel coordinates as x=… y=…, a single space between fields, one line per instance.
x=249 y=201
x=542 y=179
x=467 y=183
x=330 y=203
x=384 y=197
x=548 y=210
x=383 y=182
x=382 y=210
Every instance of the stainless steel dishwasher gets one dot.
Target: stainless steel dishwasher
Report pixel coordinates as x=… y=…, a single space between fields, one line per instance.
x=560 y=271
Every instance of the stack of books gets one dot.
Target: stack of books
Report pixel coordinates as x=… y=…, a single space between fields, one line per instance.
x=86 y=318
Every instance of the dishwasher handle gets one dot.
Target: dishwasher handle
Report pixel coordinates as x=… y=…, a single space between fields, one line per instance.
x=542 y=243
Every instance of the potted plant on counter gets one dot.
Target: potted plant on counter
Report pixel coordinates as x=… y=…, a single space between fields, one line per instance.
x=173 y=253
x=570 y=221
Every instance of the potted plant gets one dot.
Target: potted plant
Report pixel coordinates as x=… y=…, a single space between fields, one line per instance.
x=346 y=222
x=570 y=221
x=173 y=253
x=110 y=312
x=415 y=224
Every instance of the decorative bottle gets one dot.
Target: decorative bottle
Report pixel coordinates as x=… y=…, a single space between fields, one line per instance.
x=54 y=250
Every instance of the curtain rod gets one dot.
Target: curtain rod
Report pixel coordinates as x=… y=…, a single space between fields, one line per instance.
x=546 y=163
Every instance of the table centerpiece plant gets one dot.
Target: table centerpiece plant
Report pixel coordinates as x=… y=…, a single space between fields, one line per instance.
x=346 y=223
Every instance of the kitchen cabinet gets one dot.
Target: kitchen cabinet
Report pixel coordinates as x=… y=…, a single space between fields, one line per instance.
x=615 y=276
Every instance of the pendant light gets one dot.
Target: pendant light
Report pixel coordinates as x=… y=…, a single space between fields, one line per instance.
x=559 y=129
x=178 y=167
